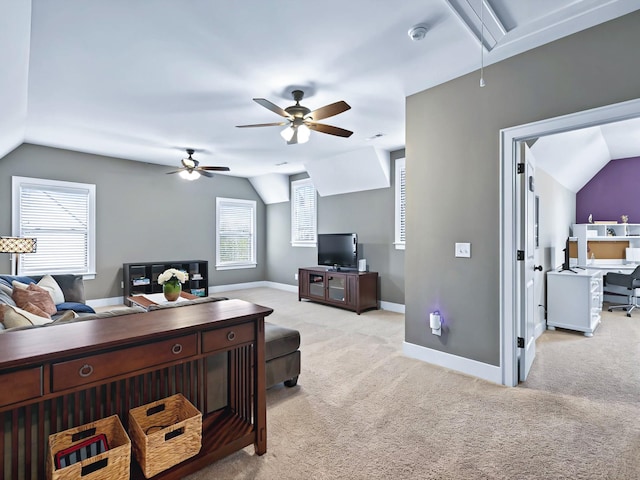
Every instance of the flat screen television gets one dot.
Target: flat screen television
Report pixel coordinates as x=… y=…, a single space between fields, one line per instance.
x=338 y=250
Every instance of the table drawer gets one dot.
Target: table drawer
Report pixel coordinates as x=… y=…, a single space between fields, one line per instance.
x=20 y=385
x=227 y=337
x=93 y=368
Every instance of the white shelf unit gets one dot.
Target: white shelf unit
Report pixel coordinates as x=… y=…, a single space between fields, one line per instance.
x=574 y=300
x=609 y=232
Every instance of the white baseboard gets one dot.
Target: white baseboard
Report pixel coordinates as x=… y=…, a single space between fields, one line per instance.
x=392 y=307
x=105 y=302
x=485 y=371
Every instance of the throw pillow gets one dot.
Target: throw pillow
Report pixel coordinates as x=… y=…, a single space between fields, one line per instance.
x=19 y=284
x=76 y=307
x=36 y=295
x=6 y=288
x=5 y=299
x=50 y=285
x=17 y=317
x=31 y=308
x=67 y=316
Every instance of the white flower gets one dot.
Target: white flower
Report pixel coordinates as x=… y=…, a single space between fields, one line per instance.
x=171 y=273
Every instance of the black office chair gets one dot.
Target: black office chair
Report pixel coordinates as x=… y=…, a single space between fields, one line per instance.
x=625 y=284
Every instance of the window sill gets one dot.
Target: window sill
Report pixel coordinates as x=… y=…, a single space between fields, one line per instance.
x=236 y=267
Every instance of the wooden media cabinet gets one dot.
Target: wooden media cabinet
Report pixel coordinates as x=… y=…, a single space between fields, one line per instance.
x=58 y=377
x=357 y=291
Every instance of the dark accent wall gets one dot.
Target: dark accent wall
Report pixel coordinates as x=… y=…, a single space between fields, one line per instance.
x=370 y=214
x=454 y=173
x=143 y=215
x=614 y=191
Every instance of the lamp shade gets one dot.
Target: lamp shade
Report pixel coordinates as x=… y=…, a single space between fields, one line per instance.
x=189 y=175
x=17 y=245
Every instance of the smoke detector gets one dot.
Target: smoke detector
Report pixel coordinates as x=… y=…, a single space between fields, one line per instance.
x=417 y=32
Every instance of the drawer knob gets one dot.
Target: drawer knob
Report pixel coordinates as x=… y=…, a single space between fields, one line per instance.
x=85 y=370
x=176 y=349
x=231 y=336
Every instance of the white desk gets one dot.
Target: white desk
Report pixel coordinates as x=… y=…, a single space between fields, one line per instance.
x=606 y=267
x=615 y=294
x=574 y=300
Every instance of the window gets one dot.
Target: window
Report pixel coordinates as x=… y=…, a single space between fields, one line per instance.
x=303 y=213
x=401 y=207
x=235 y=233
x=61 y=215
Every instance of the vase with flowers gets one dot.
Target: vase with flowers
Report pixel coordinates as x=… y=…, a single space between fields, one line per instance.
x=171 y=281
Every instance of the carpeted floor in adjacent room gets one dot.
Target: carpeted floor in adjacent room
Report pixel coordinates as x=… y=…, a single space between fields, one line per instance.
x=362 y=410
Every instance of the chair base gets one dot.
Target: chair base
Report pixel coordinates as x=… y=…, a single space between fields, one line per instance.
x=628 y=307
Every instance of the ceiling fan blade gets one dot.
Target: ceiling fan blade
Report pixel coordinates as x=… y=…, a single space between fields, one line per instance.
x=275 y=124
x=214 y=169
x=204 y=173
x=176 y=171
x=331 y=130
x=272 y=106
x=328 y=111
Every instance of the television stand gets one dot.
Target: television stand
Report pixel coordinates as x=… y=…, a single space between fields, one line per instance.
x=353 y=290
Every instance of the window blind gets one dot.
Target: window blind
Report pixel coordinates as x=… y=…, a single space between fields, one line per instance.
x=60 y=218
x=303 y=213
x=235 y=232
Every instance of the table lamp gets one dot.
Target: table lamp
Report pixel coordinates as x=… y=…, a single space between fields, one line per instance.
x=15 y=246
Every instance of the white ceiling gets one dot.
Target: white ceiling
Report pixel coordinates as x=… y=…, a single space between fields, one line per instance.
x=144 y=80
x=573 y=158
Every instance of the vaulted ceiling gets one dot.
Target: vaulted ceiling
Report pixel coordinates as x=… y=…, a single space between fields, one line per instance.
x=144 y=80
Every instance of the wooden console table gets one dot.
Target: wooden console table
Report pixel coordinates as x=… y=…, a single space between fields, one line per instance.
x=55 y=378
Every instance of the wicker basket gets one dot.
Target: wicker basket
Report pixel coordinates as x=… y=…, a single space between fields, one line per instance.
x=165 y=433
x=114 y=464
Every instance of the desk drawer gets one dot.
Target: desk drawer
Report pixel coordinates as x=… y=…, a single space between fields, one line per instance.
x=20 y=385
x=227 y=337
x=93 y=368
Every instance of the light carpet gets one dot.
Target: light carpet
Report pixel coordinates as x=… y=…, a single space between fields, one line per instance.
x=362 y=410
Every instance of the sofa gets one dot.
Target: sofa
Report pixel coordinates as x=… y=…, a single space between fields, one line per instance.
x=44 y=301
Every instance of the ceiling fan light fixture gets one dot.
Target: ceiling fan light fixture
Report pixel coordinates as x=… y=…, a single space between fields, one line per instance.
x=287 y=133
x=303 y=134
x=189 y=175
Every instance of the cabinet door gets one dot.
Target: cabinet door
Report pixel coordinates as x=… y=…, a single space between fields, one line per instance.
x=337 y=287
x=316 y=285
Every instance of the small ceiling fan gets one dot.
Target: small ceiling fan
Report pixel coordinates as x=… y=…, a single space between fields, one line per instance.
x=192 y=170
x=300 y=120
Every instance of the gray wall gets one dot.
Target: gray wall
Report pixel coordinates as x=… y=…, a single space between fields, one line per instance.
x=370 y=214
x=453 y=172
x=143 y=215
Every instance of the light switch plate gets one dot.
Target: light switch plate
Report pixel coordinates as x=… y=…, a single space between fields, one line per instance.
x=463 y=250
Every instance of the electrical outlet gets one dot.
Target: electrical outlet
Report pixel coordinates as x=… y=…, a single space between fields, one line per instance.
x=121 y=284
x=295 y=276
x=463 y=250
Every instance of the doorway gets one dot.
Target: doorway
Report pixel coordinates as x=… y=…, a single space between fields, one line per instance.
x=511 y=286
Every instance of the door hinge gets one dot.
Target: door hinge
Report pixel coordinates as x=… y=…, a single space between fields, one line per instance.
x=520 y=342
x=521 y=168
x=520 y=255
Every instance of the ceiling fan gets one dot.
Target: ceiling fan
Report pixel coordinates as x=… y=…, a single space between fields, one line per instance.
x=300 y=120
x=192 y=170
